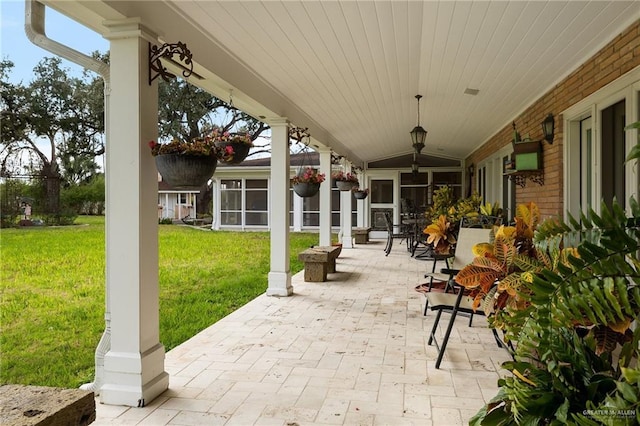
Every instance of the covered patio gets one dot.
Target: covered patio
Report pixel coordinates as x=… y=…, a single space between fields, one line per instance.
x=352 y=350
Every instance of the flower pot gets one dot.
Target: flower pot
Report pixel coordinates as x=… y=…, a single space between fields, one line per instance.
x=240 y=152
x=346 y=185
x=360 y=195
x=306 y=189
x=186 y=171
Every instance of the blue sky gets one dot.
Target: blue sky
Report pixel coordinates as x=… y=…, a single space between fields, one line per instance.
x=15 y=46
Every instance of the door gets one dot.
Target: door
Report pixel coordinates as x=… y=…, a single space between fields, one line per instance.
x=382 y=198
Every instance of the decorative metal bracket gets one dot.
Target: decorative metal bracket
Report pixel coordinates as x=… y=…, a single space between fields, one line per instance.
x=167 y=51
x=520 y=177
x=299 y=133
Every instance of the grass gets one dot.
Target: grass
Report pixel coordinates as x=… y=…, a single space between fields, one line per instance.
x=52 y=283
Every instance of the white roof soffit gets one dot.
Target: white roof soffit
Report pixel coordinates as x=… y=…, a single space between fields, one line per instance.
x=349 y=70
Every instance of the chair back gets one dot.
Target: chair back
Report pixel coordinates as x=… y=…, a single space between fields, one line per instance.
x=467 y=238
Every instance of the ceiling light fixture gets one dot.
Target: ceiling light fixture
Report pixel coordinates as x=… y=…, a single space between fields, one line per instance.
x=418 y=134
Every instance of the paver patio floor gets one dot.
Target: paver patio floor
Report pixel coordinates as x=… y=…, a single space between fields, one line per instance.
x=349 y=351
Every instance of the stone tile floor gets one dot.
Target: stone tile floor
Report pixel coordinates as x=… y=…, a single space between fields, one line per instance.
x=349 y=351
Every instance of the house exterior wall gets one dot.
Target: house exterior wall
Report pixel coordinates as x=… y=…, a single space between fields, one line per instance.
x=618 y=57
x=176 y=204
x=303 y=212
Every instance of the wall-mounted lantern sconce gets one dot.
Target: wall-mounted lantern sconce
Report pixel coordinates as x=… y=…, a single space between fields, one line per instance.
x=548 y=126
x=471 y=169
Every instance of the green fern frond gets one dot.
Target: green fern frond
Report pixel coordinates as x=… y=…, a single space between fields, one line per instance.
x=590 y=281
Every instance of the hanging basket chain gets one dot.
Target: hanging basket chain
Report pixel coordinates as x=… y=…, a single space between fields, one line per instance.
x=298 y=134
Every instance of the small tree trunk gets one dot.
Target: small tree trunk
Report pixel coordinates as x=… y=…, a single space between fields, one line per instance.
x=204 y=199
x=52 y=189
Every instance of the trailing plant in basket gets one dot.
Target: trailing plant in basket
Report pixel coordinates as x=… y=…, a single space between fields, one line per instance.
x=308 y=175
x=201 y=146
x=345 y=177
x=362 y=191
x=221 y=137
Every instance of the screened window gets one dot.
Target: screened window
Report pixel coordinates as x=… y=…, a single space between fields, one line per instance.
x=414 y=192
x=244 y=202
x=451 y=179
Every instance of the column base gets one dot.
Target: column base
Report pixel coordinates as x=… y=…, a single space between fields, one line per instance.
x=347 y=241
x=134 y=379
x=280 y=284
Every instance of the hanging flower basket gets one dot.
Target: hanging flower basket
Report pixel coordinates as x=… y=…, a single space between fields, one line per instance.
x=233 y=146
x=240 y=152
x=306 y=189
x=307 y=182
x=346 y=185
x=360 y=194
x=345 y=181
x=186 y=171
x=187 y=164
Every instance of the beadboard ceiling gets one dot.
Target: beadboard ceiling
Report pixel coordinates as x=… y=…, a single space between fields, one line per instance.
x=349 y=70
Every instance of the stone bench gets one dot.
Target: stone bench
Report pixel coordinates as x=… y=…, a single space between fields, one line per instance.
x=39 y=405
x=318 y=261
x=361 y=235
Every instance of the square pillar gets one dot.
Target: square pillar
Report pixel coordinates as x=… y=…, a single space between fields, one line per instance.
x=298 y=212
x=325 y=197
x=345 y=215
x=134 y=365
x=280 y=273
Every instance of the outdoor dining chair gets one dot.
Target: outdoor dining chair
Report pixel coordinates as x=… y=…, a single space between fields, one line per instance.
x=391 y=234
x=463 y=255
x=455 y=302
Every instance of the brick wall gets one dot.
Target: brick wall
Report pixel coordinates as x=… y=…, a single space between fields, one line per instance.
x=618 y=57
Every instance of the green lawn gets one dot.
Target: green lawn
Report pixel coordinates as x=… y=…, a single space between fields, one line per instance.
x=52 y=284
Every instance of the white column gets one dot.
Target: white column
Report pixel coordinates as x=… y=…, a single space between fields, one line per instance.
x=325 y=197
x=298 y=212
x=345 y=214
x=215 y=223
x=165 y=210
x=363 y=205
x=280 y=274
x=134 y=366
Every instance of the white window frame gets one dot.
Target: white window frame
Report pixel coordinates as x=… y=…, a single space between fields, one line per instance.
x=243 y=203
x=493 y=190
x=625 y=88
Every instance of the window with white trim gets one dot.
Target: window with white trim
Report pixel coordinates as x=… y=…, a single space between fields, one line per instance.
x=596 y=145
x=244 y=202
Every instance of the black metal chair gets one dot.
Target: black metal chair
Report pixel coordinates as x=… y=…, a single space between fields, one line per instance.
x=391 y=234
x=455 y=302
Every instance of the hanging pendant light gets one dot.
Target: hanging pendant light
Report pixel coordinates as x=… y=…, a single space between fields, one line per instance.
x=418 y=134
x=415 y=167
